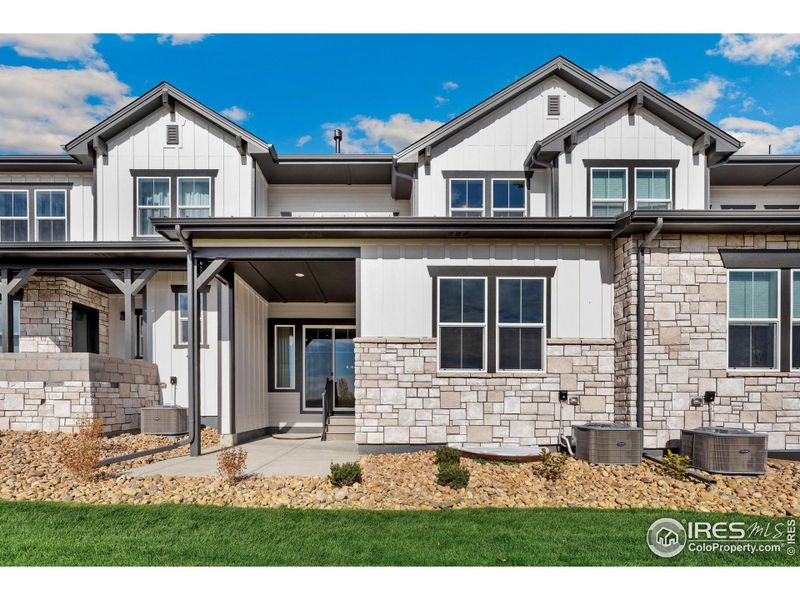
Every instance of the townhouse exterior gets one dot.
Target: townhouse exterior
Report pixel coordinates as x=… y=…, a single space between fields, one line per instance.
x=560 y=235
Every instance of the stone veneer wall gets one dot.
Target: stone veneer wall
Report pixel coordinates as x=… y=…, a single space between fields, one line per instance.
x=52 y=391
x=46 y=314
x=401 y=399
x=686 y=342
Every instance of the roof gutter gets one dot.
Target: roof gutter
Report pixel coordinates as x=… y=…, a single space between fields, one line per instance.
x=640 y=320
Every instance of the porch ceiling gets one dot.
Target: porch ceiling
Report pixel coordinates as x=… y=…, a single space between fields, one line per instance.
x=322 y=280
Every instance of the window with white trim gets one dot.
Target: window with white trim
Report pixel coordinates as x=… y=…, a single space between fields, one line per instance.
x=795 y=320
x=462 y=323
x=51 y=215
x=753 y=322
x=520 y=324
x=609 y=191
x=653 y=189
x=194 y=197
x=284 y=357
x=182 y=318
x=152 y=201
x=13 y=215
x=466 y=197
x=508 y=197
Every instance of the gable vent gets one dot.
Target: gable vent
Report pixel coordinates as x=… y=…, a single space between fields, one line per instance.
x=553 y=106
x=172 y=135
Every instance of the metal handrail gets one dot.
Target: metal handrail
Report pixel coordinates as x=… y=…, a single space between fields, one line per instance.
x=326 y=407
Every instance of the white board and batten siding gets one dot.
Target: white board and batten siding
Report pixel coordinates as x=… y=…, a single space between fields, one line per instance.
x=203 y=146
x=500 y=141
x=623 y=137
x=399 y=301
x=81 y=198
x=334 y=200
x=251 y=358
x=760 y=196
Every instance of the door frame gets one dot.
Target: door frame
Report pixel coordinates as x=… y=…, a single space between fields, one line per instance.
x=333 y=329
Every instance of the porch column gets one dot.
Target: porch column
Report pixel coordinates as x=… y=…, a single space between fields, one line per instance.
x=193 y=351
x=9 y=286
x=129 y=288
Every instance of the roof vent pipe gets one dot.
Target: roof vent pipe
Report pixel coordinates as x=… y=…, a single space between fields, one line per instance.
x=337 y=140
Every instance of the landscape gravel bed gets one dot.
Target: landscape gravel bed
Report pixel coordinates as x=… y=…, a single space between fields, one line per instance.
x=30 y=469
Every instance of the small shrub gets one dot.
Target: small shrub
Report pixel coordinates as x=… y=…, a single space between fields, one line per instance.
x=552 y=465
x=82 y=451
x=345 y=474
x=676 y=464
x=446 y=455
x=231 y=463
x=453 y=474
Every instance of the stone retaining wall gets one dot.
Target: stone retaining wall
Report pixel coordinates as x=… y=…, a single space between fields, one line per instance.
x=42 y=391
x=401 y=399
x=686 y=342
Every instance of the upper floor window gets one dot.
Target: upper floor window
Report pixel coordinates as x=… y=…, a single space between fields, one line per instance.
x=51 y=215
x=508 y=197
x=194 y=196
x=466 y=197
x=653 y=189
x=152 y=201
x=520 y=324
x=13 y=215
x=609 y=191
x=753 y=319
x=462 y=323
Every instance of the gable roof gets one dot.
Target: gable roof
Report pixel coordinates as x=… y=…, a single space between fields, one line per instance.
x=559 y=66
x=161 y=95
x=707 y=136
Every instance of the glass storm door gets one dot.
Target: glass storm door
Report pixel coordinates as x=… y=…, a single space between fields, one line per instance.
x=329 y=352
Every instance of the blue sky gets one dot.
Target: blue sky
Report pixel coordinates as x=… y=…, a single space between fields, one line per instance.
x=384 y=90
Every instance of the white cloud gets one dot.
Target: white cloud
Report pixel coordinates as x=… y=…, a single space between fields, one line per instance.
x=126 y=37
x=61 y=46
x=303 y=140
x=449 y=86
x=652 y=71
x=702 y=96
x=368 y=134
x=760 y=137
x=43 y=109
x=235 y=113
x=181 y=39
x=759 y=49
x=439 y=100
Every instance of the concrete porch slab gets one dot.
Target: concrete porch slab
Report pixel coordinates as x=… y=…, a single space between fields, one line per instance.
x=266 y=456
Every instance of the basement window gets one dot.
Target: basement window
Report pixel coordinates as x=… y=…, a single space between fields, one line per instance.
x=462 y=323
x=520 y=324
x=609 y=193
x=753 y=319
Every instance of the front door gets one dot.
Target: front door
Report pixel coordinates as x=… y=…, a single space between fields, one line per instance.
x=329 y=353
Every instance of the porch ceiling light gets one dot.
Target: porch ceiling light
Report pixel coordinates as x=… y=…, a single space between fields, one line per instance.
x=299 y=274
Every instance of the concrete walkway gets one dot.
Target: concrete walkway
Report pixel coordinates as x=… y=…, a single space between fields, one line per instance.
x=267 y=456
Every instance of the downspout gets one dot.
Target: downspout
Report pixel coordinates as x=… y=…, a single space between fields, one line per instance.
x=189 y=440
x=640 y=321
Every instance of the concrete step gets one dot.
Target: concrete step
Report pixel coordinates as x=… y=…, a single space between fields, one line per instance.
x=348 y=429
x=342 y=420
x=341 y=436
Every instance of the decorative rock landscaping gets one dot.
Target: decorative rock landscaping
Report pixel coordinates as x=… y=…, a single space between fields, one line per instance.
x=30 y=469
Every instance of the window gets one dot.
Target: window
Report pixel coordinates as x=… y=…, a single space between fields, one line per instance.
x=14 y=326
x=752 y=319
x=466 y=197
x=284 y=357
x=508 y=197
x=194 y=197
x=13 y=216
x=653 y=189
x=553 y=106
x=609 y=191
x=795 y=320
x=520 y=324
x=182 y=318
x=462 y=323
x=152 y=201
x=51 y=215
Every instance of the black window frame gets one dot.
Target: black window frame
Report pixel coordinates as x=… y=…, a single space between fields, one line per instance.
x=173 y=175
x=462 y=325
x=522 y=324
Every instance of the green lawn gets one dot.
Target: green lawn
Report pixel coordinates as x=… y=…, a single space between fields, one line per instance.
x=37 y=533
